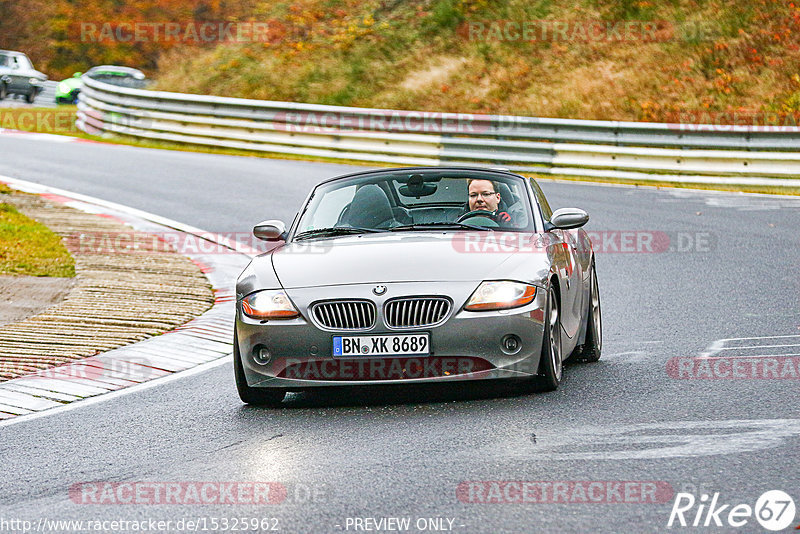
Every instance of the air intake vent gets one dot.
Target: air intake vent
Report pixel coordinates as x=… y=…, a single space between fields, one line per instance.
x=414 y=312
x=345 y=314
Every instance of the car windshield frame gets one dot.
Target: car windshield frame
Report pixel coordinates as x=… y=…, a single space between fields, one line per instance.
x=430 y=175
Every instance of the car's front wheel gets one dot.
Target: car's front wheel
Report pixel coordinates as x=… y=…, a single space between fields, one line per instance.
x=552 y=363
x=3 y=91
x=590 y=351
x=250 y=395
x=30 y=97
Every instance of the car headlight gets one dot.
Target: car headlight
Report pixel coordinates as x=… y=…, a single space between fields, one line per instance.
x=500 y=295
x=269 y=305
x=35 y=81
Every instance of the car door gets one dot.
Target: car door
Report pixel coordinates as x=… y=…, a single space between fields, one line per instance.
x=574 y=274
x=570 y=269
x=16 y=73
x=561 y=244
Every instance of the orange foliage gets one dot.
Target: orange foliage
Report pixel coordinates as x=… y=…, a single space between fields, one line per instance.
x=62 y=36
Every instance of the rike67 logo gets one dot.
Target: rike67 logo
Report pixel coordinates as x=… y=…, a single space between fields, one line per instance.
x=774 y=510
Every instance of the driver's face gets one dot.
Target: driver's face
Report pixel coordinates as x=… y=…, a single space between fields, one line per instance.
x=482 y=196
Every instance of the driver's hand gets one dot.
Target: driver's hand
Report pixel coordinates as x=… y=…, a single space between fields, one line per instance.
x=504 y=216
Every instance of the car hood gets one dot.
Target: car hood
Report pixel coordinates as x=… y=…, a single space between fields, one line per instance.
x=394 y=257
x=32 y=73
x=24 y=73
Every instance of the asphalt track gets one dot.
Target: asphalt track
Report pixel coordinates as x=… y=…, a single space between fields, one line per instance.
x=404 y=452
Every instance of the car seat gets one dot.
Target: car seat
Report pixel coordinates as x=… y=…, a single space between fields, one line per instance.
x=370 y=208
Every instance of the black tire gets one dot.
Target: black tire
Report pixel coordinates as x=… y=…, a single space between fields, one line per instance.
x=3 y=91
x=552 y=361
x=30 y=97
x=593 y=344
x=250 y=395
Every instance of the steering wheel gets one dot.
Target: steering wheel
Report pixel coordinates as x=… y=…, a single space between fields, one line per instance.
x=477 y=213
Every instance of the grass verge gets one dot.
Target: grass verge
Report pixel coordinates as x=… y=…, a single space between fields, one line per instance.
x=28 y=247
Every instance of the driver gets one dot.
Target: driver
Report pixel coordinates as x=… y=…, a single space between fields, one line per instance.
x=483 y=195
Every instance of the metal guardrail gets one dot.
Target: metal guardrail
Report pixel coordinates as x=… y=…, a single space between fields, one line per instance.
x=47 y=98
x=650 y=151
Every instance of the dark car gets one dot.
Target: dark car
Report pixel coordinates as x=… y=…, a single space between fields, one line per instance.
x=18 y=77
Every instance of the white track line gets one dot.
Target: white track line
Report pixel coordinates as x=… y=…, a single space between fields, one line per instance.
x=759 y=337
x=32 y=187
x=747 y=356
x=718 y=346
x=747 y=347
x=117 y=393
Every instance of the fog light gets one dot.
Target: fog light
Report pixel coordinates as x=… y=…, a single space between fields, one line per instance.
x=261 y=355
x=511 y=344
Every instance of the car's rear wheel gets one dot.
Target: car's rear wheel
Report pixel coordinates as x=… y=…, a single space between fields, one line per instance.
x=552 y=364
x=3 y=91
x=250 y=395
x=592 y=346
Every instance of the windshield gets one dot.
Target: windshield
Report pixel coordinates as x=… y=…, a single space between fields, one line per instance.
x=23 y=62
x=418 y=200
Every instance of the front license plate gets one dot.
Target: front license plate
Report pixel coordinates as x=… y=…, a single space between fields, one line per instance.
x=392 y=345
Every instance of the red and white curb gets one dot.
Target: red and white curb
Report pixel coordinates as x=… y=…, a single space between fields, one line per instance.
x=202 y=343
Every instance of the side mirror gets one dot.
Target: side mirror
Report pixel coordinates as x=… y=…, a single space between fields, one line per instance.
x=271 y=230
x=567 y=219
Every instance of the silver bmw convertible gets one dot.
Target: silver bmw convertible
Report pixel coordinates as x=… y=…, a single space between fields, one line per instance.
x=417 y=275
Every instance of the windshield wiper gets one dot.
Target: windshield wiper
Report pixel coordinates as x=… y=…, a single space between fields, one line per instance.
x=440 y=226
x=343 y=230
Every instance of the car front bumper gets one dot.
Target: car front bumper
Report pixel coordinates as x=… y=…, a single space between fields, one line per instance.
x=466 y=346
